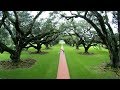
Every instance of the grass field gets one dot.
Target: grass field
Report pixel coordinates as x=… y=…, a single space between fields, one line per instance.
x=87 y=66
x=45 y=67
x=80 y=66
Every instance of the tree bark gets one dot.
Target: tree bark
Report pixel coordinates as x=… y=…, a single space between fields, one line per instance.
x=50 y=44
x=38 y=48
x=86 y=49
x=77 y=47
x=47 y=47
x=114 y=59
x=15 y=56
x=73 y=45
x=114 y=49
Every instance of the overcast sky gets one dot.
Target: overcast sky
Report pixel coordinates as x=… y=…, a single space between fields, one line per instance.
x=46 y=14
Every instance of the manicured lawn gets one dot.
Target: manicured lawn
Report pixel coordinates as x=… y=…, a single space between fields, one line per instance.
x=45 y=67
x=80 y=66
x=87 y=66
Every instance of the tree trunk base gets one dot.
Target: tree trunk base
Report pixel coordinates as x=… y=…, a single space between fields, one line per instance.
x=112 y=65
x=15 y=58
x=77 y=48
x=38 y=52
x=47 y=48
x=86 y=53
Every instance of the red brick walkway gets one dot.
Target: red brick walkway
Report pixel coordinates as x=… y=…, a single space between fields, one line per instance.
x=63 y=72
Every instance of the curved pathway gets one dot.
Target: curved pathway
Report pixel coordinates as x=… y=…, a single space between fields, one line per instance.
x=63 y=72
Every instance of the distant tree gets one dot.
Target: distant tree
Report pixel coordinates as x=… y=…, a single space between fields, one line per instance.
x=100 y=22
x=41 y=27
x=85 y=33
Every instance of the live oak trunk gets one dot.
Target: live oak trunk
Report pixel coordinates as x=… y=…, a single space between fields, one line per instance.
x=47 y=47
x=15 y=56
x=86 y=49
x=50 y=45
x=38 y=48
x=77 y=47
x=115 y=61
x=114 y=58
x=73 y=45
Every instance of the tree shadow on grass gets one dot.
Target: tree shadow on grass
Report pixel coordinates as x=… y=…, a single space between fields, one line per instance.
x=27 y=63
x=47 y=48
x=83 y=53
x=106 y=67
x=41 y=53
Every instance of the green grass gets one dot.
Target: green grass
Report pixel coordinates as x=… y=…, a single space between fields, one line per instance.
x=87 y=66
x=80 y=66
x=45 y=67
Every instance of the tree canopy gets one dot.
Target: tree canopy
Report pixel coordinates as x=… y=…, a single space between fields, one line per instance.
x=24 y=30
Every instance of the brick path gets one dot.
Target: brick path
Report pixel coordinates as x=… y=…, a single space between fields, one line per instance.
x=63 y=72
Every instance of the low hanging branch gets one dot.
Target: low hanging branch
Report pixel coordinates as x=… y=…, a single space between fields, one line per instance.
x=3 y=48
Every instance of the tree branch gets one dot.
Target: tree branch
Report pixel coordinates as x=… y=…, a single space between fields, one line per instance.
x=32 y=23
x=101 y=21
x=3 y=48
x=85 y=13
x=11 y=19
x=29 y=39
x=3 y=18
x=31 y=45
x=17 y=24
x=95 y=27
x=10 y=32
